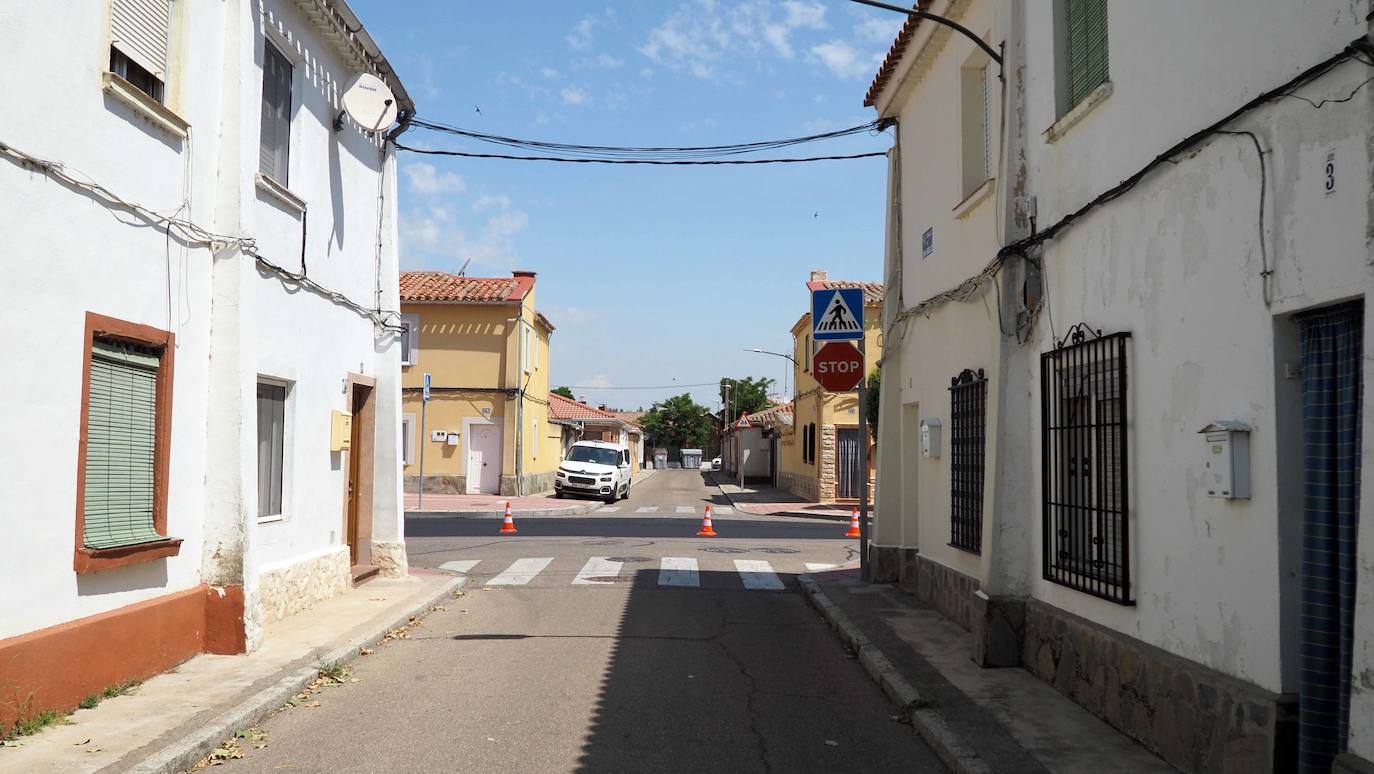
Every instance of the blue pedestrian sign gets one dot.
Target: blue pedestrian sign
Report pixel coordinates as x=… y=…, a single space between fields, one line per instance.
x=837 y=314
x=426 y=397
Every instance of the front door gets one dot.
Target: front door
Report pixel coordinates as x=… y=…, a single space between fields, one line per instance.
x=848 y=481
x=484 y=460
x=358 y=514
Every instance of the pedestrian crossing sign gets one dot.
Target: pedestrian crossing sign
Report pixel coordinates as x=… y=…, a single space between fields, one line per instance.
x=837 y=314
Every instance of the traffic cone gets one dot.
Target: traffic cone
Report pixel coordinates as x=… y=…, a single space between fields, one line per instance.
x=508 y=526
x=706 y=530
x=853 y=524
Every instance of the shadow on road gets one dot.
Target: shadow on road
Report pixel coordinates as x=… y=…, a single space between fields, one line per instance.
x=647 y=527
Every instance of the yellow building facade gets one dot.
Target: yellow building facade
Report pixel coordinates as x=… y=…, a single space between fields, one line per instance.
x=485 y=347
x=820 y=458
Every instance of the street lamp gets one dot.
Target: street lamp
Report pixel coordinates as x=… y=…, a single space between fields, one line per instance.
x=957 y=27
x=775 y=354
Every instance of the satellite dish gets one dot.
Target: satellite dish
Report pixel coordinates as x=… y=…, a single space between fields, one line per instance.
x=370 y=103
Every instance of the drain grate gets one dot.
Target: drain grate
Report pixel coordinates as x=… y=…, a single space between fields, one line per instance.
x=629 y=559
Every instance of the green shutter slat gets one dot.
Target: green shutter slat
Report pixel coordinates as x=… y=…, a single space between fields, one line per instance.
x=120 y=446
x=1086 y=43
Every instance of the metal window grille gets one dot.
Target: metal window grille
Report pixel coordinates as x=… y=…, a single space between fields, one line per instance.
x=1084 y=447
x=968 y=395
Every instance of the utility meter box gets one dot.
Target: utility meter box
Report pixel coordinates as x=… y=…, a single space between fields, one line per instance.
x=930 y=437
x=1227 y=470
x=340 y=430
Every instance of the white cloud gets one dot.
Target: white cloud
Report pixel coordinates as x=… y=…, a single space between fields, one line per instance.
x=425 y=180
x=843 y=60
x=571 y=315
x=609 y=62
x=487 y=201
x=433 y=235
x=581 y=36
x=574 y=95
x=879 y=30
x=549 y=72
x=699 y=35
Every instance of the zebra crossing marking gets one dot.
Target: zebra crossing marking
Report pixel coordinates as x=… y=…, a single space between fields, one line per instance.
x=686 y=509
x=647 y=509
x=596 y=570
x=723 y=510
x=758 y=574
x=520 y=572
x=462 y=567
x=678 y=571
x=610 y=508
x=814 y=567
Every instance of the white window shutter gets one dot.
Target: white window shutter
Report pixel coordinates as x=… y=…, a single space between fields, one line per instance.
x=140 y=29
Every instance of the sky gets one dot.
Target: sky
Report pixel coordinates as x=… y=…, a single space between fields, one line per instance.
x=654 y=276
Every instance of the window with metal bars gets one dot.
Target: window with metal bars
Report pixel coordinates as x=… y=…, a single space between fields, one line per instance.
x=968 y=396
x=1084 y=446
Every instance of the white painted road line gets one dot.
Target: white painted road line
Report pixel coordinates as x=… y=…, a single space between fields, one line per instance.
x=678 y=571
x=813 y=567
x=460 y=567
x=723 y=510
x=598 y=571
x=686 y=509
x=610 y=508
x=647 y=509
x=758 y=574
x=522 y=571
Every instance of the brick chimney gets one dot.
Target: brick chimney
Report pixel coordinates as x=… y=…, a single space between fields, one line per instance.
x=819 y=275
x=602 y=407
x=523 y=273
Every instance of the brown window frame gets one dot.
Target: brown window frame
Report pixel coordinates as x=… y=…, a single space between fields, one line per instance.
x=88 y=560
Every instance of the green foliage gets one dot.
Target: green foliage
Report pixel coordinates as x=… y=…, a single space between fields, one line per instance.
x=875 y=378
x=333 y=670
x=565 y=392
x=34 y=723
x=679 y=421
x=121 y=689
x=748 y=395
x=90 y=701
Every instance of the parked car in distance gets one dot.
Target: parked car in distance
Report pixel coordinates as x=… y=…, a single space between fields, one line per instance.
x=595 y=468
x=715 y=463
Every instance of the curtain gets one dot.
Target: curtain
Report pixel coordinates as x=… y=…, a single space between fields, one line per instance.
x=1332 y=352
x=847 y=474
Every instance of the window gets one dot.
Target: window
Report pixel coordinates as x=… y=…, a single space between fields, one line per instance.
x=275 y=141
x=1084 y=446
x=271 y=446
x=123 y=455
x=968 y=394
x=976 y=129
x=407 y=439
x=410 y=339
x=139 y=34
x=809 y=444
x=1082 y=31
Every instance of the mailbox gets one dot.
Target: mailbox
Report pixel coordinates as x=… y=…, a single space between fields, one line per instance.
x=930 y=437
x=1226 y=472
x=340 y=431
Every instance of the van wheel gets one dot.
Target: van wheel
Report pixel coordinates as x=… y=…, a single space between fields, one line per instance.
x=558 y=494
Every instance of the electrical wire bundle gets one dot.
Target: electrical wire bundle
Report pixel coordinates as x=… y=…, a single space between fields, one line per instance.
x=655 y=155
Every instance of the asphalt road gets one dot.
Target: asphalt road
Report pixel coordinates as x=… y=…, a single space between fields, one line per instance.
x=612 y=642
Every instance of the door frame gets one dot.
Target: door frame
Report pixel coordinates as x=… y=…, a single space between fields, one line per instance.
x=357 y=512
x=468 y=424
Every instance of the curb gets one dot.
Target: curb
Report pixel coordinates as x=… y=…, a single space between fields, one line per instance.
x=571 y=510
x=953 y=751
x=841 y=517
x=185 y=752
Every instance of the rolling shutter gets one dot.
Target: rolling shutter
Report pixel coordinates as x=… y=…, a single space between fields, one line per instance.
x=1086 y=36
x=140 y=30
x=121 y=436
x=275 y=142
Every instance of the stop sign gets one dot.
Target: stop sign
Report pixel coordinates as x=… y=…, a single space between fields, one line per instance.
x=838 y=366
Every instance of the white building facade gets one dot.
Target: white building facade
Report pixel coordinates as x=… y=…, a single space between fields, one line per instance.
x=207 y=245
x=1147 y=394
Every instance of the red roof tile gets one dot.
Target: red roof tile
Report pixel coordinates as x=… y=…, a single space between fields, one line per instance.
x=566 y=409
x=894 y=54
x=442 y=287
x=873 y=291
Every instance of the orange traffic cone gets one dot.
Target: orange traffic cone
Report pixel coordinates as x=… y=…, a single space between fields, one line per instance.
x=853 y=524
x=508 y=526
x=706 y=530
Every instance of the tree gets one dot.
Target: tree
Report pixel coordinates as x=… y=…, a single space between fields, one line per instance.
x=748 y=395
x=678 y=421
x=875 y=378
x=565 y=392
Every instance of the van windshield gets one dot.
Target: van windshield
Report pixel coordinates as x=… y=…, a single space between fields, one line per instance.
x=594 y=454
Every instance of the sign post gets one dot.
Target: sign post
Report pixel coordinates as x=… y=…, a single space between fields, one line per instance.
x=837 y=317
x=424 y=403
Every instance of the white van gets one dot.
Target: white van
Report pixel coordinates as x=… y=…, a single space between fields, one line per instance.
x=596 y=468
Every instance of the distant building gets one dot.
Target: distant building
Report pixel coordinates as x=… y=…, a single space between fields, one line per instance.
x=820 y=459
x=486 y=349
x=581 y=422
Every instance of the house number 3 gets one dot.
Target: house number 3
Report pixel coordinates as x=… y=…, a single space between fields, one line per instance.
x=1330 y=172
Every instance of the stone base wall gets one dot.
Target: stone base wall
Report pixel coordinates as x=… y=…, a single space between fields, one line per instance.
x=947 y=590
x=827 y=457
x=294 y=587
x=535 y=483
x=390 y=559
x=799 y=484
x=1195 y=718
x=437 y=484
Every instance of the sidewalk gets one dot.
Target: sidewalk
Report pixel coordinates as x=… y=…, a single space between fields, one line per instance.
x=174 y=719
x=481 y=505
x=766 y=500
x=977 y=719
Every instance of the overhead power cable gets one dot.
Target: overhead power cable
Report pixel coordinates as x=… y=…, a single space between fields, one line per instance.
x=651 y=162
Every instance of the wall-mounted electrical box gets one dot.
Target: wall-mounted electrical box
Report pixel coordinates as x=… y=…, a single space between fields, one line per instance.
x=451 y=439
x=340 y=430
x=438 y=436
x=1227 y=471
x=930 y=437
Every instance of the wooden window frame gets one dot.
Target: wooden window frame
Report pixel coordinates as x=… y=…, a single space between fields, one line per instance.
x=88 y=560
